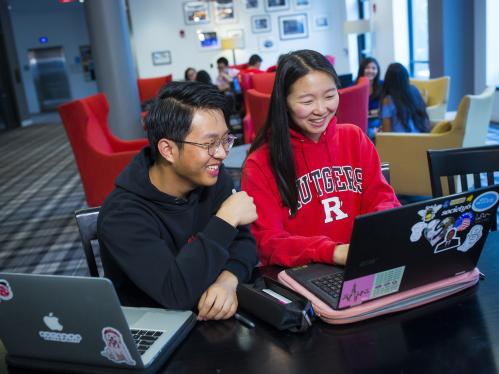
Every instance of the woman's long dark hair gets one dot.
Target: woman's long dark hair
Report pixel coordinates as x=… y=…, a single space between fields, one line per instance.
x=407 y=100
x=291 y=67
x=376 y=86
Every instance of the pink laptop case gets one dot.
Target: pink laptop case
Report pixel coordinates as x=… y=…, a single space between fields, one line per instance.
x=388 y=304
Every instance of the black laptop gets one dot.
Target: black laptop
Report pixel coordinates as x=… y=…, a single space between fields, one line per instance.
x=403 y=248
x=76 y=324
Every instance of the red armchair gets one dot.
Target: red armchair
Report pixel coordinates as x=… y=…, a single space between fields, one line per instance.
x=258 y=106
x=263 y=82
x=149 y=87
x=354 y=104
x=100 y=156
x=239 y=66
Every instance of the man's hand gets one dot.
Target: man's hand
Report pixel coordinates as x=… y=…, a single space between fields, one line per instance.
x=238 y=209
x=340 y=254
x=219 y=301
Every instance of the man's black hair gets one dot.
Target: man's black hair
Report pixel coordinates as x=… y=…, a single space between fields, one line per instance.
x=223 y=60
x=254 y=59
x=170 y=115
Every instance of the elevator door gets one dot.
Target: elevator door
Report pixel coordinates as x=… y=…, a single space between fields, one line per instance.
x=48 y=68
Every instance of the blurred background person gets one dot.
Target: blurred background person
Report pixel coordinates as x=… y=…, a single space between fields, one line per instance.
x=402 y=107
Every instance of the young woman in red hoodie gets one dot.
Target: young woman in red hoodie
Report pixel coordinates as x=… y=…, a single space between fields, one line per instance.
x=309 y=176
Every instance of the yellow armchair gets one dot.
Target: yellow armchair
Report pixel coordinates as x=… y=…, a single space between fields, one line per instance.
x=435 y=92
x=406 y=152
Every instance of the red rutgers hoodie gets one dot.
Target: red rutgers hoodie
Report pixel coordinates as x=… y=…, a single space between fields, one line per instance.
x=338 y=178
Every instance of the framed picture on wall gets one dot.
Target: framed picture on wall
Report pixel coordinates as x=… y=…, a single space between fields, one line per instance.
x=250 y=5
x=224 y=11
x=208 y=39
x=196 y=12
x=293 y=26
x=276 y=5
x=321 y=22
x=267 y=44
x=161 y=58
x=260 y=24
x=238 y=35
x=302 y=4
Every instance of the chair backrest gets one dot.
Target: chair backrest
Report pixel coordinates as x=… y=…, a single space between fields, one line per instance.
x=435 y=92
x=354 y=104
x=239 y=66
x=271 y=69
x=461 y=162
x=258 y=105
x=149 y=87
x=385 y=170
x=86 y=219
x=97 y=130
x=99 y=155
x=264 y=82
x=475 y=117
x=471 y=168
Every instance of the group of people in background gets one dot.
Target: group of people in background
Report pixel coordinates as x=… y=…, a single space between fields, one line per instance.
x=394 y=104
x=226 y=74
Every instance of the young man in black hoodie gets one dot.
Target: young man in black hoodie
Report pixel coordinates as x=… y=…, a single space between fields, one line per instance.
x=173 y=233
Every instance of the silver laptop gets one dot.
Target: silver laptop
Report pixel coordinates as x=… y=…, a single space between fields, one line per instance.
x=63 y=320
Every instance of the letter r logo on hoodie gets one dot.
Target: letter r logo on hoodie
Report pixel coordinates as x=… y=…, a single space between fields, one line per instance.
x=335 y=208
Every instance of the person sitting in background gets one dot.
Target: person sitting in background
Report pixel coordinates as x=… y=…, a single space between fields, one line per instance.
x=190 y=74
x=203 y=77
x=310 y=176
x=173 y=233
x=254 y=64
x=369 y=68
x=226 y=75
x=402 y=107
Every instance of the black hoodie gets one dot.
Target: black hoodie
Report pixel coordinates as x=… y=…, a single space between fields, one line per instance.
x=164 y=251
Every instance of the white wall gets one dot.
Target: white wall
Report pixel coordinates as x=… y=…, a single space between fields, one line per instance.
x=390 y=32
x=156 y=26
x=64 y=25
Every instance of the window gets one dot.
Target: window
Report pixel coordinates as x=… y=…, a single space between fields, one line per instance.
x=419 y=64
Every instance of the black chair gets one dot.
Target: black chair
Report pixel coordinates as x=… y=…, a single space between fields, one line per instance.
x=457 y=163
x=385 y=169
x=86 y=219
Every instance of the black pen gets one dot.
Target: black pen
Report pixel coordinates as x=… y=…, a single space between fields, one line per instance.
x=245 y=321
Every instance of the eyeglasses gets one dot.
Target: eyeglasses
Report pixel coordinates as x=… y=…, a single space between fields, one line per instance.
x=226 y=142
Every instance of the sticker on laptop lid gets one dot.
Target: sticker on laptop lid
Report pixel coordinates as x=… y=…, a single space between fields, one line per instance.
x=116 y=349
x=472 y=237
x=451 y=240
x=485 y=201
x=359 y=290
x=5 y=290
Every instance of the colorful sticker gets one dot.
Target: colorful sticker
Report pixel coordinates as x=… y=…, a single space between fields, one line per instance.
x=485 y=201
x=5 y=290
x=457 y=201
x=473 y=236
x=369 y=287
x=450 y=241
x=464 y=221
x=429 y=212
x=115 y=349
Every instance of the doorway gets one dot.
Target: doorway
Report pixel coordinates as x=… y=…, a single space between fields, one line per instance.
x=48 y=68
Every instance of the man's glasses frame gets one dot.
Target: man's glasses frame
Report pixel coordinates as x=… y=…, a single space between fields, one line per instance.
x=226 y=142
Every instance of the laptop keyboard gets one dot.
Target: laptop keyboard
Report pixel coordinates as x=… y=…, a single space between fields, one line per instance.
x=331 y=284
x=145 y=338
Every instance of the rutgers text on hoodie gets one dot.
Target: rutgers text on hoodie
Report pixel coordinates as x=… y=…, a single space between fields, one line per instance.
x=164 y=251
x=338 y=178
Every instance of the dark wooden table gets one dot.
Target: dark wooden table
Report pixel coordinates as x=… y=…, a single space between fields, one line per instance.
x=457 y=335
